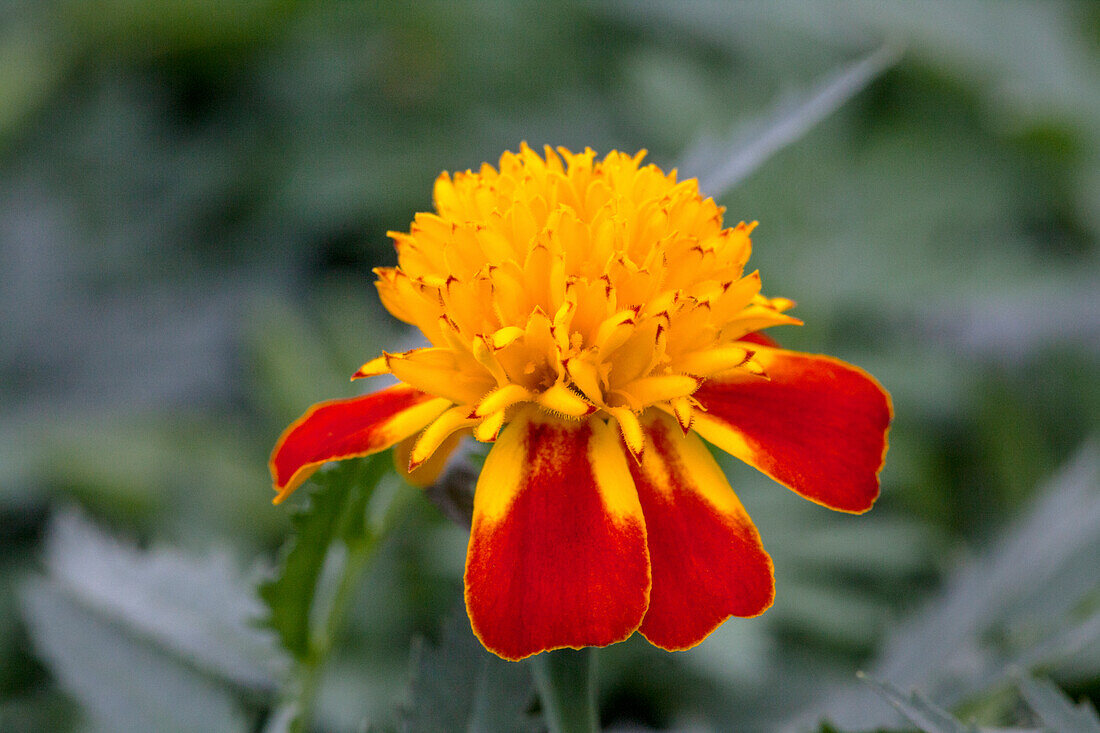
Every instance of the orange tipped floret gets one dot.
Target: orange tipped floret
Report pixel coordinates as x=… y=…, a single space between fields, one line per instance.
x=594 y=286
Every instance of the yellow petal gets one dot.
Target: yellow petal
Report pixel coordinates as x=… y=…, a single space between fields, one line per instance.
x=585 y=375
x=490 y=427
x=428 y=472
x=683 y=409
x=372 y=368
x=648 y=390
x=438 y=431
x=714 y=360
x=561 y=399
x=501 y=398
x=631 y=429
x=614 y=331
x=506 y=336
x=439 y=372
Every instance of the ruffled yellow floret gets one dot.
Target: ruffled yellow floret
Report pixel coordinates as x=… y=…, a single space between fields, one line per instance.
x=575 y=284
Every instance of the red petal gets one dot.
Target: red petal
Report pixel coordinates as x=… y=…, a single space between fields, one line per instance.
x=817 y=425
x=759 y=337
x=332 y=431
x=557 y=553
x=707 y=560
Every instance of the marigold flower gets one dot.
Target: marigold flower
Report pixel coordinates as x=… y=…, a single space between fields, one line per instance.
x=593 y=320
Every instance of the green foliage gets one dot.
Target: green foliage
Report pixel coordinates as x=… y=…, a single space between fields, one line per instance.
x=194 y=197
x=720 y=167
x=51 y=710
x=994 y=616
x=1052 y=709
x=1055 y=710
x=149 y=640
x=336 y=514
x=919 y=711
x=457 y=685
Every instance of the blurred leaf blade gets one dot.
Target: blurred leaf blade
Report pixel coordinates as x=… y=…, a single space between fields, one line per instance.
x=458 y=685
x=1057 y=711
x=121 y=683
x=946 y=649
x=788 y=122
x=200 y=610
x=918 y=710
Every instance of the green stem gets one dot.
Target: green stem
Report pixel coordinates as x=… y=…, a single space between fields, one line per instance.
x=566 y=681
x=359 y=554
x=358 y=557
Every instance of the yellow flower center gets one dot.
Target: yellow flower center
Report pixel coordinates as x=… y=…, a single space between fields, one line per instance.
x=578 y=284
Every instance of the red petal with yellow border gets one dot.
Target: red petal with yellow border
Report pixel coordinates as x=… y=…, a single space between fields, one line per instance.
x=557 y=554
x=339 y=429
x=706 y=557
x=816 y=424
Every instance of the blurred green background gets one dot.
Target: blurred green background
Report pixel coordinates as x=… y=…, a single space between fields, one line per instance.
x=193 y=194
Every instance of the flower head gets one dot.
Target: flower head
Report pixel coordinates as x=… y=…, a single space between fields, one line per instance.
x=592 y=318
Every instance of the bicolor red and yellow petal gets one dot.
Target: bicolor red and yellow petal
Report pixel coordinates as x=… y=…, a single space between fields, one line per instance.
x=815 y=424
x=706 y=557
x=557 y=554
x=339 y=429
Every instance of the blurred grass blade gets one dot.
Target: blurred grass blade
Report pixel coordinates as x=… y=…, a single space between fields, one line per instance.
x=1061 y=643
x=1060 y=527
x=1055 y=710
x=997 y=612
x=761 y=139
x=918 y=710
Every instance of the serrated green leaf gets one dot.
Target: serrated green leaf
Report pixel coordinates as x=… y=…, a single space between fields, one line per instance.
x=147 y=640
x=123 y=682
x=335 y=514
x=200 y=610
x=1055 y=710
x=458 y=685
